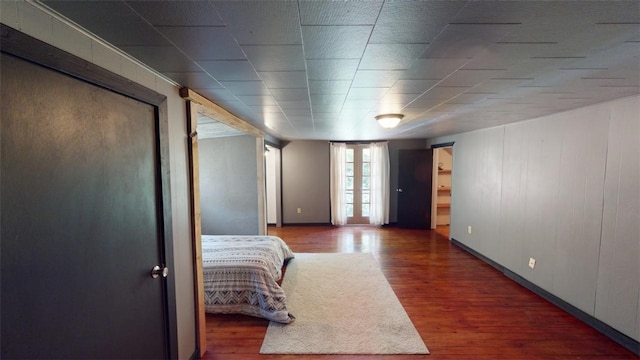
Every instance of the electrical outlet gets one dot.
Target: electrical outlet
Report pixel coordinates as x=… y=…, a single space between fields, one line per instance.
x=469 y=229
x=532 y=263
x=299 y=211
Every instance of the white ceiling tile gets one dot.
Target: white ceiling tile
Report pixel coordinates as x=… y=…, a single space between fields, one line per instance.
x=444 y=92
x=300 y=119
x=485 y=63
x=466 y=40
x=395 y=99
x=257 y=100
x=339 y=13
x=114 y=21
x=295 y=105
x=385 y=107
x=162 y=58
x=276 y=57
x=332 y=69
x=302 y=113
x=216 y=95
x=284 y=79
x=193 y=80
x=491 y=12
x=366 y=93
x=246 y=87
x=433 y=68
x=361 y=104
x=390 y=56
x=177 y=13
x=289 y=94
x=376 y=78
x=471 y=76
x=335 y=42
x=204 y=42
x=329 y=87
x=466 y=98
x=261 y=22
x=412 y=86
x=421 y=21
x=261 y=109
x=320 y=116
x=332 y=107
x=224 y=70
x=422 y=104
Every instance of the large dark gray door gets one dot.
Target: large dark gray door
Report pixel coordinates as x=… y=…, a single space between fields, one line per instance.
x=81 y=220
x=414 y=188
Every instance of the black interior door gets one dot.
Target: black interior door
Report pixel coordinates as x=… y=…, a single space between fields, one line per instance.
x=81 y=220
x=414 y=188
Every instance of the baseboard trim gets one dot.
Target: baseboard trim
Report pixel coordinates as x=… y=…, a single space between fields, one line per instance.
x=615 y=335
x=478 y=255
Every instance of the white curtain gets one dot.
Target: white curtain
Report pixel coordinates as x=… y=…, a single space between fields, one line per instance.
x=379 y=211
x=337 y=184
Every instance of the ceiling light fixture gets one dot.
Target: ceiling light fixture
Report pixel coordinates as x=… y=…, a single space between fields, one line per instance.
x=389 y=121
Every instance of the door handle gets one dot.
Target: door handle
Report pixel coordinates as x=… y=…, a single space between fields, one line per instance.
x=399 y=190
x=157 y=271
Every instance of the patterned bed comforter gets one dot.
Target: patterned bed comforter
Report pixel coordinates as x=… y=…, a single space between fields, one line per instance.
x=241 y=275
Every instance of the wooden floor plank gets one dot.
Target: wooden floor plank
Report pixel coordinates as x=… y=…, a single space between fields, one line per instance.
x=462 y=307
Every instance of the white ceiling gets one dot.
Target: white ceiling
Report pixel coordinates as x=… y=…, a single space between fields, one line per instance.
x=324 y=69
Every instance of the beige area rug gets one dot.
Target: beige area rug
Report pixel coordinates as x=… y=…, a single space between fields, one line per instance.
x=343 y=304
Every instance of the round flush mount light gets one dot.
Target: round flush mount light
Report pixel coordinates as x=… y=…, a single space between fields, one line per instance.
x=389 y=121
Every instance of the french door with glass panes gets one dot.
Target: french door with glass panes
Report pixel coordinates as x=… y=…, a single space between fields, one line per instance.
x=358 y=184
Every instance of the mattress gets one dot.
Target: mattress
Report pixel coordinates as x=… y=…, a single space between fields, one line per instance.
x=242 y=274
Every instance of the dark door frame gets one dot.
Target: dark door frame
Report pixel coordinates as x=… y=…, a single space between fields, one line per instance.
x=28 y=48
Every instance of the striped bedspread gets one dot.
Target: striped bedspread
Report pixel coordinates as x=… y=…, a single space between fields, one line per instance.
x=241 y=275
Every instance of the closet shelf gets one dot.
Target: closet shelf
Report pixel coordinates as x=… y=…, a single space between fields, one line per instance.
x=443 y=205
x=444 y=171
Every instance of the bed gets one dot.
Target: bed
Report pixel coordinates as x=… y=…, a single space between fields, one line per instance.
x=241 y=275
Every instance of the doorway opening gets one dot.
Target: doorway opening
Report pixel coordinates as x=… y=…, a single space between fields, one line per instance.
x=207 y=120
x=441 y=186
x=272 y=158
x=358 y=184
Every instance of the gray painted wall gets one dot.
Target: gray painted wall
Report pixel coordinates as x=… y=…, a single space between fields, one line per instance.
x=40 y=24
x=228 y=186
x=563 y=189
x=619 y=261
x=305 y=180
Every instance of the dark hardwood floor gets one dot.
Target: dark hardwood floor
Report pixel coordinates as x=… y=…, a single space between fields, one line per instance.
x=462 y=307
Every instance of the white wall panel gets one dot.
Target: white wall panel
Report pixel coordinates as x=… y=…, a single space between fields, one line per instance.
x=543 y=144
x=9 y=13
x=476 y=190
x=578 y=210
x=619 y=266
x=76 y=43
x=513 y=215
x=537 y=189
x=34 y=22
